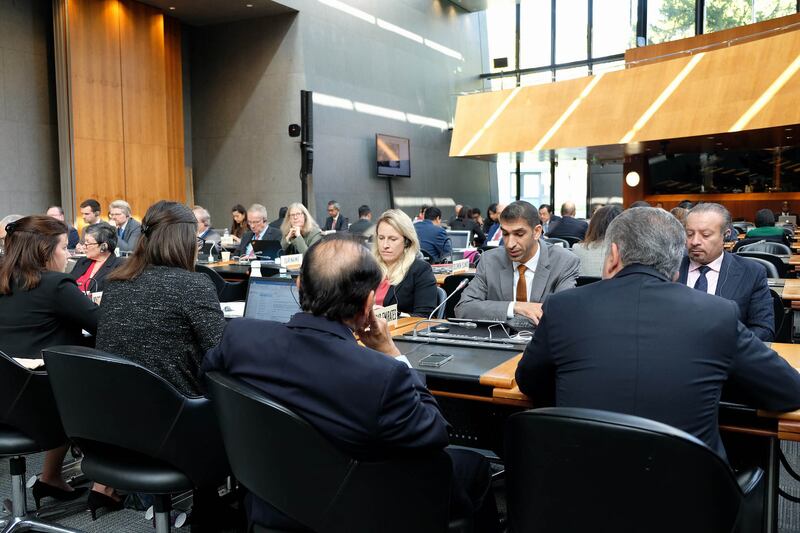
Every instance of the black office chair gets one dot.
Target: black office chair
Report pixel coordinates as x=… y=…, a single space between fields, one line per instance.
x=774 y=265
x=136 y=431
x=556 y=241
x=768 y=247
x=226 y=291
x=586 y=280
x=572 y=240
x=284 y=461
x=29 y=423
x=450 y=284
x=783 y=331
x=441 y=296
x=782 y=239
x=574 y=469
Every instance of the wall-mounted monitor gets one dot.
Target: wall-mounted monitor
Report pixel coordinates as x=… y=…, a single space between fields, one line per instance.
x=393 y=156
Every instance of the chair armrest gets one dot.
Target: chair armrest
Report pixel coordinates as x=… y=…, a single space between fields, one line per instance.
x=749 y=479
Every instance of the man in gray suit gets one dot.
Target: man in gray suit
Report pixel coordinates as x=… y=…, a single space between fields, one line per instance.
x=128 y=229
x=516 y=279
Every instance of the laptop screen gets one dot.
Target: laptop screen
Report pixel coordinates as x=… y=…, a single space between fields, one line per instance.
x=460 y=239
x=272 y=299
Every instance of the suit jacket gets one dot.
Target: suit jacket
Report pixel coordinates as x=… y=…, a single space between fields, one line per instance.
x=84 y=263
x=72 y=238
x=210 y=236
x=490 y=291
x=365 y=402
x=552 y=223
x=568 y=227
x=416 y=294
x=745 y=283
x=272 y=234
x=133 y=230
x=51 y=314
x=641 y=345
x=433 y=240
x=341 y=223
x=478 y=236
x=363 y=227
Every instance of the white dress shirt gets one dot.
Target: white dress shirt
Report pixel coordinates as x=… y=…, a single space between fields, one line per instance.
x=532 y=263
x=712 y=275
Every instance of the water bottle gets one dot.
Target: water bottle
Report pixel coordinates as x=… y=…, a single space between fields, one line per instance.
x=227 y=233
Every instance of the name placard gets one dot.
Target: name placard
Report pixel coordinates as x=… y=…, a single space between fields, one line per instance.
x=460 y=265
x=97 y=297
x=292 y=262
x=388 y=313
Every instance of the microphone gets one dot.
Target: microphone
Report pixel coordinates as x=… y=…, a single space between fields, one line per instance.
x=461 y=285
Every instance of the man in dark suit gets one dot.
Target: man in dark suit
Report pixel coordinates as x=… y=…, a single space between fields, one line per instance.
x=710 y=269
x=568 y=226
x=785 y=211
x=90 y=211
x=205 y=233
x=637 y=343
x=364 y=226
x=433 y=239
x=57 y=212
x=365 y=399
x=128 y=229
x=335 y=220
x=259 y=230
x=549 y=220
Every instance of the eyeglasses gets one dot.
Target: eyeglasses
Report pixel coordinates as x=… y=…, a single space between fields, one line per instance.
x=293 y=215
x=91 y=244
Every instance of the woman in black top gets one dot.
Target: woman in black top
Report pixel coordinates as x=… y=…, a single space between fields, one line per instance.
x=90 y=272
x=409 y=281
x=40 y=306
x=464 y=221
x=157 y=312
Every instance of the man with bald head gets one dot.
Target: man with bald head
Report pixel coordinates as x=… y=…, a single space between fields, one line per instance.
x=367 y=399
x=568 y=226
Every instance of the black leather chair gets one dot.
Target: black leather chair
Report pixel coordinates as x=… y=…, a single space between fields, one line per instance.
x=783 y=239
x=29 y=423
x=449 y=285
x=572 y=240
x=781 y=270
x=570 y=470
x=136 y=431
x=226 y=291
x=557 y=241
x=284 y=461
x=768 y=247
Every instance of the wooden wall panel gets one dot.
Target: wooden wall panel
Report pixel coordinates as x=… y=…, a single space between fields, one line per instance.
x=174 y=84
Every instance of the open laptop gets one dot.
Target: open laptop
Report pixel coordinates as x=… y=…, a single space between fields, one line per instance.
x=267 y=250
x=460 y=239
x=271 y=299
x=787 y=219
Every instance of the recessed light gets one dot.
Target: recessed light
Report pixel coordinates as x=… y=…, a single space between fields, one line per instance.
x=710 y=137
x=788 y=136
x=172 y=8
x=249 y=5
x=719 y=144
x=788 y=129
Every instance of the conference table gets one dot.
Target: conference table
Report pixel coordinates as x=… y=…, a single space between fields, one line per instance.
x=477 y=392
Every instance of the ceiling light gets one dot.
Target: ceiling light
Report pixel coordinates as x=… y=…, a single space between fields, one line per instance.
x=172 y=8
x=249 y=5
x=632 y=179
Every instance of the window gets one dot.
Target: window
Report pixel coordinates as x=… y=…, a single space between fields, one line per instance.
x=668 y=20
x=534 y=33
x=723 y=14
x=571 y=184
x=613 y=27
x=501 y=21
x=572 y=19
x=571 y=73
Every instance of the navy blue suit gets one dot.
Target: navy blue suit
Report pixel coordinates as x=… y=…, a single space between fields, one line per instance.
x=568 y=227
x=641 y=345
x=433 y=240
x=369 y=404
x=744 y=282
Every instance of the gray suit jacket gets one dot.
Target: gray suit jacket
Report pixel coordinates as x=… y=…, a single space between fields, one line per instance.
x=489 y=293
x=133 y=230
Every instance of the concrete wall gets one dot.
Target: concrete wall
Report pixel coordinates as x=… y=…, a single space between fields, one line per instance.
x=28 y=133
x=246 y=79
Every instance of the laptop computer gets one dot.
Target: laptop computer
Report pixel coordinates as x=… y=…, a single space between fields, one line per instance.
x=460 y=239
x=274 y=299
x=787 y=219
x=267 y=250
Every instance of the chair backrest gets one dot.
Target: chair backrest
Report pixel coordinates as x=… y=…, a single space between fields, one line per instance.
x=780 y=311
x=284 y=461
x=773 y=265
x=450 y=284
x=556 y=241
x=769 y=247
x=226 y=291
x=782 y=239
x=27 y=404
x=571 y=240
x=218 y=281
x=441 y=296
x=585 y=470
x=105 y=400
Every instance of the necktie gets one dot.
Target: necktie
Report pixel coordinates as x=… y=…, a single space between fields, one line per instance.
x=522 y=285
x=702 y=282
x=119 y=232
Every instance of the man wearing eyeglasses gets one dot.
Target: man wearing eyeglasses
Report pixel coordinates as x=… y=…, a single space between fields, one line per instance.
x=257 y=220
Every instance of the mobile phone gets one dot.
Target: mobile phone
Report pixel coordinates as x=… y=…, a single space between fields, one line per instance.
x=435 y=360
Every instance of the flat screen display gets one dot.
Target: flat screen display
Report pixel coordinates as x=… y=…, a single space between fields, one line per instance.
x=393 y=155
x=271 y=299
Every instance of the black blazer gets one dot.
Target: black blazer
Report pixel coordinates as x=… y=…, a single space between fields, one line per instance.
x=744 y=282
x=478 y=236
x=84 y=263
x=642 y=345
x=341 y=223
x=272 y=234
x=568 y=227
x=53 y=313
x=370 y=405
x=416 y=294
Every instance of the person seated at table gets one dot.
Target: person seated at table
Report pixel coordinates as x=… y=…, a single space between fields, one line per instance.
x=433 y=239
x=590 y=250
x=639 y=344
x=205 y=233
x=260 y=230
x=465 y=222
x=709 y=268
x=57 y=212
x=785 y=211
x=128 y=228
x=516 y=278
x=314 y=366
x=765 y=225
x=171 y=314
x=408 y=281
x=41 y=306
x=238 y=222
x=299 y=230
x=568 y=226
x=90 y=272
x=335 y=220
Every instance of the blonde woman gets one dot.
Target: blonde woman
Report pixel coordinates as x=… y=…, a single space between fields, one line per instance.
x=299 y=230
x=408 y=281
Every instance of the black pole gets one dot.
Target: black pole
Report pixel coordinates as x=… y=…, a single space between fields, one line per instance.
x=306 y=145
x=699 y=15
x=589 y=29
x=641 y=23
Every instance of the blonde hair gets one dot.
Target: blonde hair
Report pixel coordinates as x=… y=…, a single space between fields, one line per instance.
x=309 y=224
x=402 y=224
